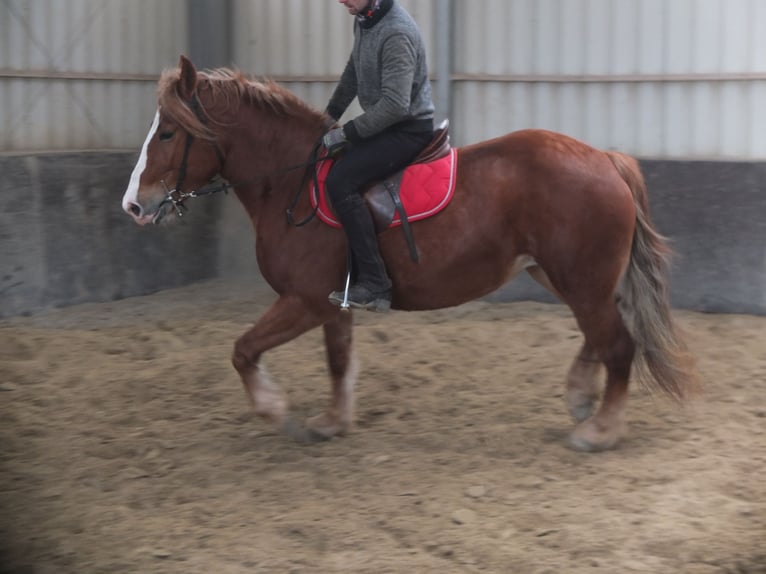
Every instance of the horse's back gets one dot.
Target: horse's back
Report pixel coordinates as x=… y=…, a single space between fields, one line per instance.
x=540 y=148
x=544 y=167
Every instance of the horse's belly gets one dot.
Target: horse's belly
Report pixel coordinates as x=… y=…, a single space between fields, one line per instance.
x=459 y=284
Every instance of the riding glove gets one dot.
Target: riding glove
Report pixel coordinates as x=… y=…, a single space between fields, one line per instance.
x=334 y=140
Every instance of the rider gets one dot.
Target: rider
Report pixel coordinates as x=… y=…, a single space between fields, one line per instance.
x=387 y=72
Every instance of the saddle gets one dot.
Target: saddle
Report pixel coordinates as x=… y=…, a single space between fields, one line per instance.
x=383 y=197
x=420 y=190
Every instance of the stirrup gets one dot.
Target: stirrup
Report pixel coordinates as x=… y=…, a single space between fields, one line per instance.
x=379 y=304
x=344 y=306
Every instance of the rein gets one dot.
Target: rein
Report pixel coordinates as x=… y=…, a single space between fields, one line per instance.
x=176 y=196
x=312 y=161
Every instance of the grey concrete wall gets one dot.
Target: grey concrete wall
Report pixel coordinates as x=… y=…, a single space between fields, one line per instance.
x=715 y=214
x=65 y=240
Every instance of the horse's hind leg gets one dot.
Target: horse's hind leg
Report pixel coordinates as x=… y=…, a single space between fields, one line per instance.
x=610 y=342
x=338 y=418
x=583 y=386
x=287 y=318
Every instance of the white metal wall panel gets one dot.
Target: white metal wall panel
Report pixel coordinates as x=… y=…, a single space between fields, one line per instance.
x=657 y=78
x=78 y=74
x=304 y=44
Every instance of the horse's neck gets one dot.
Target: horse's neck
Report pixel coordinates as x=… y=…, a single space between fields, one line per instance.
x=266 y=144
x=266 y=160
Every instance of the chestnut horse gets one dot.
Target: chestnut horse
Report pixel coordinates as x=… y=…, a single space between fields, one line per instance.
x=573 y=217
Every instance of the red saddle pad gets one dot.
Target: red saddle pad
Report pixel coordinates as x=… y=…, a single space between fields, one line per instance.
x=425 y=189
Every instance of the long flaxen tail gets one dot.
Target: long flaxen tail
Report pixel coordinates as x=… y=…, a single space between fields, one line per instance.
x=662 y=359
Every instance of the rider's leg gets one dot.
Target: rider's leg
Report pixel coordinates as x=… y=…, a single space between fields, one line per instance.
x=364 y=162
x=372 y=288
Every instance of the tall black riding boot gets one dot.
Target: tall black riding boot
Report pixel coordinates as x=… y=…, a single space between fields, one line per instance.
x=372 y=288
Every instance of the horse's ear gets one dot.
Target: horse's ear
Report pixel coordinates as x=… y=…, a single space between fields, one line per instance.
x=188 y=82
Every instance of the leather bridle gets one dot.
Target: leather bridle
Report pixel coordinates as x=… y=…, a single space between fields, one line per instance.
x=177 y=195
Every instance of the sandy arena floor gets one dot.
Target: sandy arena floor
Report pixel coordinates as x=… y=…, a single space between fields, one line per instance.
x=127 y=447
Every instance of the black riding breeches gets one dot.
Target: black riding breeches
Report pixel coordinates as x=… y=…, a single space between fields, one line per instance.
x=370 y=160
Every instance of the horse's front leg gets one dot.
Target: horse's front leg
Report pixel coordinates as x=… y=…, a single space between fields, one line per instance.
x=338 y=418
x=286 y=319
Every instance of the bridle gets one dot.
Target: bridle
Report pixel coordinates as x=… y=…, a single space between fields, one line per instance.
x=177 y=196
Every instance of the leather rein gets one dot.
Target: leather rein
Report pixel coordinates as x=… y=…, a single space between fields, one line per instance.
x=176 y=196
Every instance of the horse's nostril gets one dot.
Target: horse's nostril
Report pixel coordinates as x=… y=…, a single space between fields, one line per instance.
x=135 y=210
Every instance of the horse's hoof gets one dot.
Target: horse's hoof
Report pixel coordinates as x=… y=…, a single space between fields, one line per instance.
x=302 y=434
x=327 y=425
x=582 y=445
x=587 y=438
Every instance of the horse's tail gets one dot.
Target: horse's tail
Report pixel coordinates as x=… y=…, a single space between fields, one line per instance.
x=662 y=359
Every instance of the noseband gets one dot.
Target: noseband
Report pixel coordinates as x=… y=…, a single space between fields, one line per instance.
x=177 y=195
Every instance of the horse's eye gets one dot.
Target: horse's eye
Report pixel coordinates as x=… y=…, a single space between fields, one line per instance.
x=166 y=136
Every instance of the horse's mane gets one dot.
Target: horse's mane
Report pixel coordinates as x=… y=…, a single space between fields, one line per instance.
x=233 y=88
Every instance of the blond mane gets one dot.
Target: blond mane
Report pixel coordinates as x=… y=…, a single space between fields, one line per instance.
x=231 y=87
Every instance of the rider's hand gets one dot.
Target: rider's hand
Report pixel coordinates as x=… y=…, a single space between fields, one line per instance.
x=334 y=140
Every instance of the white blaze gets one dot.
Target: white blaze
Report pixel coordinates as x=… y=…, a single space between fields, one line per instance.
x=131 y=194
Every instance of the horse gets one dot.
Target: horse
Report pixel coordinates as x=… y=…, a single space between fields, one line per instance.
x=573 y=217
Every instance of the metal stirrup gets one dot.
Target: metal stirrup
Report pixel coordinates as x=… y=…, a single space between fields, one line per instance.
x=344 y=306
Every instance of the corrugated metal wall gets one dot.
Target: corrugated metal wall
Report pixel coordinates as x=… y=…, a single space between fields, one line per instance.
x=304 y=44
x=667 y=78
x=78 y=74
x=656 y=78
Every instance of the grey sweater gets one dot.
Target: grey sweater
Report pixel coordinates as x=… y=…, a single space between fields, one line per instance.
x=387 y=71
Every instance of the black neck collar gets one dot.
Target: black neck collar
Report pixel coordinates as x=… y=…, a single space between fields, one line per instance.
x=373 y=16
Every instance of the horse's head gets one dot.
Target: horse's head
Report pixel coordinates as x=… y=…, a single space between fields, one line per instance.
x=180 y=153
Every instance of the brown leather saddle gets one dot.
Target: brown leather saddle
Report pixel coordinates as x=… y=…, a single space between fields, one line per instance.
x=382 y=197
